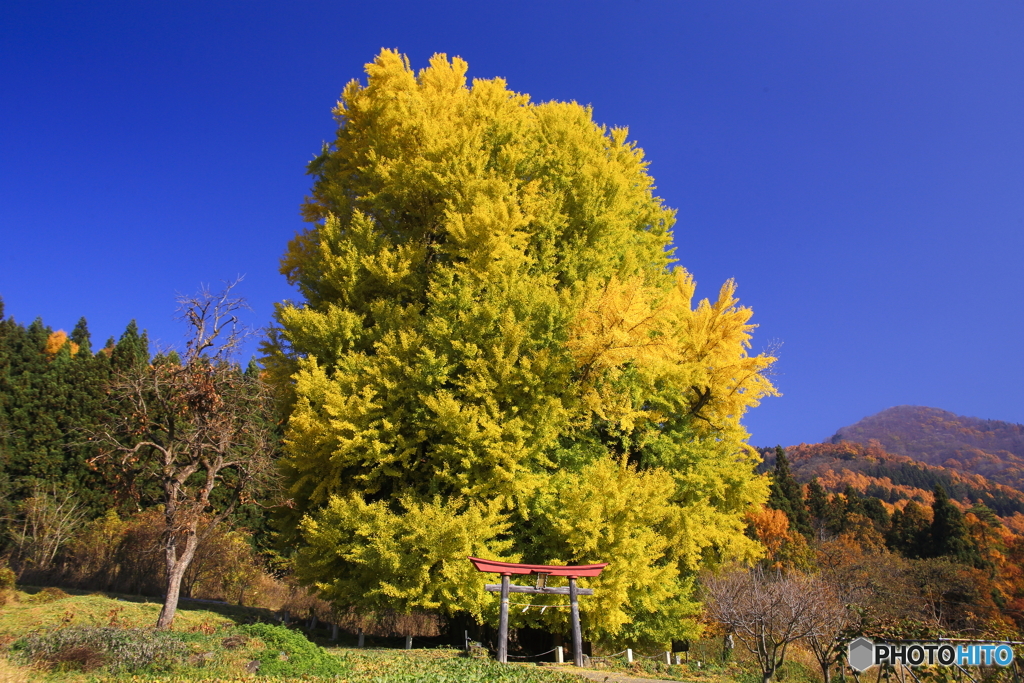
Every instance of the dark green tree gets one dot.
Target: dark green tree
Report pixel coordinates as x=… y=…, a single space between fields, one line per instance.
x=949 y=535
x=80 y=335
x=51 y=389
x=786 y=495
x=817 y=499
x=909 y=530
x=131 y=350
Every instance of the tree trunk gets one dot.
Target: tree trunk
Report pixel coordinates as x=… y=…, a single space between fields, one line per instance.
x=176 y=567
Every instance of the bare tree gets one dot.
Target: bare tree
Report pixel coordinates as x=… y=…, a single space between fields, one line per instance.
x=768 y=611
x=46 y=521
x=196 y=426
x=837 y=620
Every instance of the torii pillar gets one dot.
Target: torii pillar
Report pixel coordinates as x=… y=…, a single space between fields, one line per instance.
x=507 y=569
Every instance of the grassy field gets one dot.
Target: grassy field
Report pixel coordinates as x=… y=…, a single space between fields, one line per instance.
x=49 y=635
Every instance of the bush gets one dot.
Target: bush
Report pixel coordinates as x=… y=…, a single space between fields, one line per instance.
x=85 y=648
x=7 y=577
x=49 y=594
x=289 y=653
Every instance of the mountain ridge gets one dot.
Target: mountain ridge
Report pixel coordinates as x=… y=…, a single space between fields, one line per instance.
x=970 y=445
x=902 y=453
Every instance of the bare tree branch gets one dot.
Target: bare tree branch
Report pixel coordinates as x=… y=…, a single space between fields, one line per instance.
x=768 y=611
x=192 y=426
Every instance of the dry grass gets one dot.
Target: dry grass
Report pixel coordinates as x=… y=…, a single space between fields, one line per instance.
x=10 y=673
x=47 y=611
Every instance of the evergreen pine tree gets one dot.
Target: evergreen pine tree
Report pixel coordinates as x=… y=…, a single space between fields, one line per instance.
x=835 y=514
x=786 y=495
x=817 y=500
x=131 y=349
x=80 y=335
x=48 y=400
x=909 y=531
x=872 y=508
x=949 y=534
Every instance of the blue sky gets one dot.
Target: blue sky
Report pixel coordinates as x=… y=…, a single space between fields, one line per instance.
x=857 y=167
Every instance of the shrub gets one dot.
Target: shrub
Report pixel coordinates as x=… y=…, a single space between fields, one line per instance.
x=49 y=594
x=124 y=650
x=80 y=658
x=7 y=577
x=289 y=653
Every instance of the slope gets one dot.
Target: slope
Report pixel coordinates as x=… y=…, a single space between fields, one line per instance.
x=969 y=445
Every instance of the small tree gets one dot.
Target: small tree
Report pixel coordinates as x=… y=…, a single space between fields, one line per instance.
x=46 y=521
x=768 y=611
x=197 y=427
x=836 y=620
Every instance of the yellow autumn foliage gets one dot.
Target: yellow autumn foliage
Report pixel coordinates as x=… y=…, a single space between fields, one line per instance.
x=492 y=354
x=56 y=341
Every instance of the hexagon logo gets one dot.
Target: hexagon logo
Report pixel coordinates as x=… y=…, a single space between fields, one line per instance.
x=860 y=653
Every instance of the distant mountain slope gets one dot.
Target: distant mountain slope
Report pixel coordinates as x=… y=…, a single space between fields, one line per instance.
x=872 y=471
x=968 y=445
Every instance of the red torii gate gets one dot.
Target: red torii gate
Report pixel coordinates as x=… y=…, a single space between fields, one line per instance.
x=507 y=569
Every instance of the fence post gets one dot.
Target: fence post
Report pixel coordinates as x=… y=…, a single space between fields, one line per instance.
x=408 y=642
x=559 y=654
x=668 y=657
x=677 y=658
x=629 y=656
x=362 y=638
x=334 y=633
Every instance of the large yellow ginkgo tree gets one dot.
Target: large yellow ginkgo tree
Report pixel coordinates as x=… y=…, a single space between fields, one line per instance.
x=492 y=354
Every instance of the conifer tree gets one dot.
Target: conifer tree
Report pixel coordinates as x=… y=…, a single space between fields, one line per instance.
x=817 y=499
x=493 y=356
x=46 y=396
x=909 y=531
x=131 y=350
x=786 y=495
x=80 y=336
x=949 y=534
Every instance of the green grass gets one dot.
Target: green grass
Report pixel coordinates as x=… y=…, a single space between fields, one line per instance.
x=35 y=608
x=442 y=666
x=49 y=635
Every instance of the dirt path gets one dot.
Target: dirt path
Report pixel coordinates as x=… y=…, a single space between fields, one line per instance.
x=609 y=676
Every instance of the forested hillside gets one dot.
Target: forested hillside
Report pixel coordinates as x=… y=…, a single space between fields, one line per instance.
x=966 y=444
x=895 y=479
x=886 y=519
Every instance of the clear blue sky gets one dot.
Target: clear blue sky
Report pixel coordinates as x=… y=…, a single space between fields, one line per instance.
x=858 y=167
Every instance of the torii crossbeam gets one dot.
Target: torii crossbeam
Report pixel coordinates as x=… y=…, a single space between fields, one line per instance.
x=507 y=569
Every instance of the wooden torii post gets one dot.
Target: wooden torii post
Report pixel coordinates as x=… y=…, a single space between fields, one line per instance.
x=507 y=569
